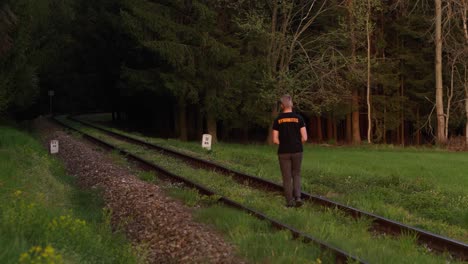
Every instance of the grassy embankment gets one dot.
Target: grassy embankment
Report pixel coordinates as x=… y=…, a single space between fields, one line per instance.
x=44 y=217
x=328 y=225
x=425 y=188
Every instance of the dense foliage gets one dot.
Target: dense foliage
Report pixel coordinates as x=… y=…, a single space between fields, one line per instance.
x=181 y=68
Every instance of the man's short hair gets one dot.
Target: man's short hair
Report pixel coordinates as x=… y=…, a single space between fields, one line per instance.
x=286 y=100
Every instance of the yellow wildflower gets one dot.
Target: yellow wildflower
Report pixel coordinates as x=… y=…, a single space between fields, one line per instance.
x=41 y=255
x=23 y=257
x=49 y=250
x=37 y=249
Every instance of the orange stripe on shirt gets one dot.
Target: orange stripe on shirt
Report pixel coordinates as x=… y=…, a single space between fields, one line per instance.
x=288 y=120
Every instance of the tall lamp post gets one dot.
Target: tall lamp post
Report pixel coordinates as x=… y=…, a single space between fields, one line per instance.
x=51 y=94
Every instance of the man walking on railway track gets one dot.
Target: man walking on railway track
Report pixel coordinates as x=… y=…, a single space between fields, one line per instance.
x=289 y=133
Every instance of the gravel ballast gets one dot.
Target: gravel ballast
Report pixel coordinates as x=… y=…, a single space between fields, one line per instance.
x=145 y=213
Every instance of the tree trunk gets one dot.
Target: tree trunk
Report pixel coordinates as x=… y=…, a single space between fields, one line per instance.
x=211 y=115
x=400 y=44
x=199 y=117
x=418 y=132
x=466 y=125
x=355 y=90
x=466 y=108
x=191 y=122
x=369 y=107
x=329 y=128
x=176 y=119
x=450 y=93
x=274 y=114
x=385 y=122
x=311 y=130
x=465 y=29
x=211 y=126
x=349 y=132
x=182 y=118
x=441 y=136
x=335 y=131
x=245 y=134
x=402 y=109
x=403 y=132
x=398 y=136
x=319 y=129
x=356 y=123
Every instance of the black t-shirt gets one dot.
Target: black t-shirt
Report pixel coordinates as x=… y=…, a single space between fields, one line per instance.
x=289 y=127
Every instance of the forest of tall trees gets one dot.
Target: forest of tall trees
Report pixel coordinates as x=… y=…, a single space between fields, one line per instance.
x=377 y=71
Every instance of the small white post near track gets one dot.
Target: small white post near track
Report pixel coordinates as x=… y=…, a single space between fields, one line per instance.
x=206 y=141
x=54 y=147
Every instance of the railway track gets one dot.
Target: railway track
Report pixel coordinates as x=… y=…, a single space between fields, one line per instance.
x=380 y=224
x=341 y=256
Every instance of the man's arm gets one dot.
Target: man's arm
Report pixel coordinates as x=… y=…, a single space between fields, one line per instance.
x=276 y=137
x=303 y=134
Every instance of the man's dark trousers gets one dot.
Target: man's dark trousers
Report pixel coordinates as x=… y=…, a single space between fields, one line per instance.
x=290 y=164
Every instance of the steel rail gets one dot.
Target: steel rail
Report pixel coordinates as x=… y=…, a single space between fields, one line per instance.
x=381 y=224
x=340 y=255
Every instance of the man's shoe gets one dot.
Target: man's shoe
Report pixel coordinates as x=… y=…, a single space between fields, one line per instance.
x=299 y=202
x=291 y=204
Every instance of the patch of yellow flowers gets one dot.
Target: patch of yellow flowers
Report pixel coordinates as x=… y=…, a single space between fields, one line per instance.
x=39 y=255
x=17 y=193
x=67 y=222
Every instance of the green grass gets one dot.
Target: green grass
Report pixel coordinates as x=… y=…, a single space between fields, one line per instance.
x=425 y=188
x=44 y=216
x=329 y=225
x=255 y=240
x=148 y=176
x=390 y=183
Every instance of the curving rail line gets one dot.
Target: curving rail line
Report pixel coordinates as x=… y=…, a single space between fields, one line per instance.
x=436 y=242
x=340 y=255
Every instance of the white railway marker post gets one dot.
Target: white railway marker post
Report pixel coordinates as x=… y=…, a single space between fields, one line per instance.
x=54 y=147
x=206 y=141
